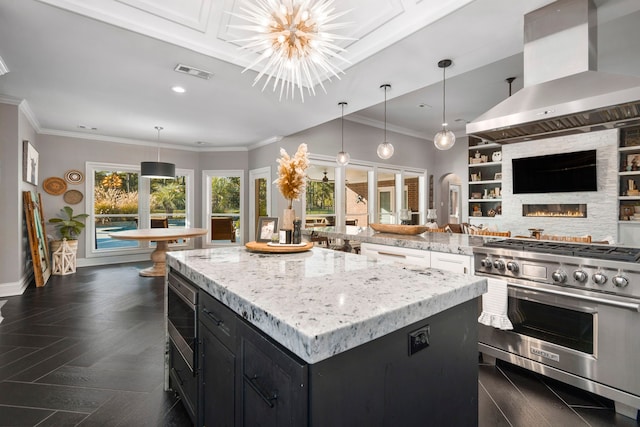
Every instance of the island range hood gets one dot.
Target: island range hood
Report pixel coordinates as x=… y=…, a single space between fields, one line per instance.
x=562 y=93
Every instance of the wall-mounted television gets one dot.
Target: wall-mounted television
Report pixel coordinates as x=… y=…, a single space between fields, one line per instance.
x=555 y=173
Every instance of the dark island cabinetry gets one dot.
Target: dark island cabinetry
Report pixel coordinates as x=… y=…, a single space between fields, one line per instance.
x=425 y=373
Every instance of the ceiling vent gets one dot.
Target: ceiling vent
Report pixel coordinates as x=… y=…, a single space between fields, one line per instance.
x=193 y=71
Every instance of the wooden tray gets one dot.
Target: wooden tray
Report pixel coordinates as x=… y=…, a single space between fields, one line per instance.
x=399 y=229
x=264 y=247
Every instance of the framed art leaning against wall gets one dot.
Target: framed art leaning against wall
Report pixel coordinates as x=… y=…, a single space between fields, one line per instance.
x=29 y=163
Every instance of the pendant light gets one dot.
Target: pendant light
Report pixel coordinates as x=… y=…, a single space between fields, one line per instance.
x=158 y=169
x=385 y=150
x=325 y=178
x=343 y=157
x=445 y=138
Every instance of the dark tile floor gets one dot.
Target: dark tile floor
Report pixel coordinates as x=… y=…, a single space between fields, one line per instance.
x=87 y=350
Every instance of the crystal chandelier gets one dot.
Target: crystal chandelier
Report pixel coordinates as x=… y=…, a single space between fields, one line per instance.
x=292 y=37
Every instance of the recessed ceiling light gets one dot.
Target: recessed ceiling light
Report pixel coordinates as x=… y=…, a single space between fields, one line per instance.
x=178 y=89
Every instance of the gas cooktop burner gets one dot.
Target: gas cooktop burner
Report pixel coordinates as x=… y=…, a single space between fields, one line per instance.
x=612 y=253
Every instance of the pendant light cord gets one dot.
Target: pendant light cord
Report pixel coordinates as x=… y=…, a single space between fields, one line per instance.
x=342 y=129
x=159 y=128
x=444 y=97
x=385 y=113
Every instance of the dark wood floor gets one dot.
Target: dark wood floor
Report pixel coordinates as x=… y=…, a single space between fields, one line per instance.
x=87 y=350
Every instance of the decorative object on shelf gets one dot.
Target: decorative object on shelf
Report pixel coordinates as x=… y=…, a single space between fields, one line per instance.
x=476 y=177
x=484 y=159
x=267 y=227
x=73 y=197
x=496 y=156
x=343 y=157
x=486 y=194
x=54 y=186
x=291 y=36
x=292 y=180
x=497 y=176
x=633 y=162
x=491 y=212
x=399 y=229
x=29 y=163
x=476 y=195
x=385 y=149
x=496 y=191
x=444 y=139
x=499 y=210
x=73 y=176
x=158 y=169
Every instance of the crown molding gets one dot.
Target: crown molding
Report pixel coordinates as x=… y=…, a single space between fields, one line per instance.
x=30 y=115
x=131 y=141
x=380 y=125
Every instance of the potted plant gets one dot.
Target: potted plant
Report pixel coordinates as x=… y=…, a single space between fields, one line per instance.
x=68 y=226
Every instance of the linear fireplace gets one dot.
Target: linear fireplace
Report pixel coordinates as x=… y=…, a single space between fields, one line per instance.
x=555 y=210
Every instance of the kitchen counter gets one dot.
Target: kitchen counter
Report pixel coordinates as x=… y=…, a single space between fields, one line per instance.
x=454 y=243
x=320 y=303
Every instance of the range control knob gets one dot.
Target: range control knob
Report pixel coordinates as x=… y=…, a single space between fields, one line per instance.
x=559 y=276
x=499 y=264
x=580 y=276
x=513 y=267
x=486 y=263
x=620 y=281
x=599 y=278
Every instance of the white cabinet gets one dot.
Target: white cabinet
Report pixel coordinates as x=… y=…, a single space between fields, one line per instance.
x=394 y=253
x=455 y=263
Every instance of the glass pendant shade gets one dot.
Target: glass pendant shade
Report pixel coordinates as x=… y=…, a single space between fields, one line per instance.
x=444 y=139
x=158 y=169
x=385 y=150
x=343 y=158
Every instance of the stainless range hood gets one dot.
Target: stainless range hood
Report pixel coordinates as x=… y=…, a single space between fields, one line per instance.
x=562 y=94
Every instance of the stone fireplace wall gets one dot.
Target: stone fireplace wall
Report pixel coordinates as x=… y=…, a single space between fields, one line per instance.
x=602 y=205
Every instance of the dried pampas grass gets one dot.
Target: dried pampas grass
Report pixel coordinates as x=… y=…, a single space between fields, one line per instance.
x=292 y=179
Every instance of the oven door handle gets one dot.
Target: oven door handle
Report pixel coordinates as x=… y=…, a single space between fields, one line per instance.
x=620 y=304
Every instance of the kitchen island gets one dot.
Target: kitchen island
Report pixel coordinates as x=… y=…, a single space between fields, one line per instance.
x=332 y=338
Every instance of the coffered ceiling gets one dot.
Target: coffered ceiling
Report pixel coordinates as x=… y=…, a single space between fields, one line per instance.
x=109 y=65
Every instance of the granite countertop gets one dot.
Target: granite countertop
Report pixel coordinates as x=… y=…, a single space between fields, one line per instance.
x=323 y=302
x=454 y=243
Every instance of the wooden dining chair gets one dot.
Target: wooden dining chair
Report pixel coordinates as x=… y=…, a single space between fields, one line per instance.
x=490 y=233
x=161 y=223
x=222 y=228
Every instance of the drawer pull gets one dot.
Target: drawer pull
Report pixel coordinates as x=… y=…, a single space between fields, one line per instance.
x=255 y=385
x=214 y=318
x=392 y=254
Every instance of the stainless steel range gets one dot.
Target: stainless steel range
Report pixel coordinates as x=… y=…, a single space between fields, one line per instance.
x=575 y=310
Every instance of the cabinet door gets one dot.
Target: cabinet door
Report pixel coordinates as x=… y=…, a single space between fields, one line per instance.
x=455 y=263
x=217 y=374
x=272 y=384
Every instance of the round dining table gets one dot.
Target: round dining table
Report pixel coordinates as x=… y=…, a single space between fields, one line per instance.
x=161 y=236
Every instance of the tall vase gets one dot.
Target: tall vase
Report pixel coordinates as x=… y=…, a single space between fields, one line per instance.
x=287 y=219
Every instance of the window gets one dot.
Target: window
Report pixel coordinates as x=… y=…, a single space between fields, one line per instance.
x=118 y=199
x=320 y=207
x=357 y=195
x=224 y=205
